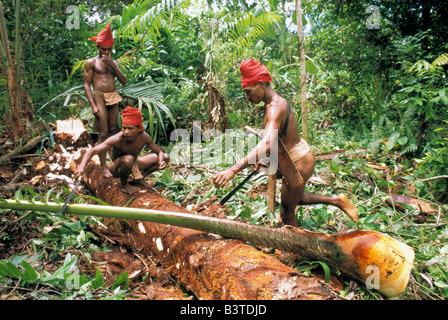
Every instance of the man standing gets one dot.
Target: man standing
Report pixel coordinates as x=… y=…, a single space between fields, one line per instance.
x=100 y=73
x=125 y=147
x=295 y=157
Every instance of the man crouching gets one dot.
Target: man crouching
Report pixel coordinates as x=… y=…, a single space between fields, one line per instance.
x=125 y=147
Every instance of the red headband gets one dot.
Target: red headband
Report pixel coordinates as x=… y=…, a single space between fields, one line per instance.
x=132 y=117
x=252 y=72
x=104 y=38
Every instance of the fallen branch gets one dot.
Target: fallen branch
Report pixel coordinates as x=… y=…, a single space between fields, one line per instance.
x=26 y=148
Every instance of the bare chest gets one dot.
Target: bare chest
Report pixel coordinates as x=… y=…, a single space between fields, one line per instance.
x=100 y=68
x=133 y=148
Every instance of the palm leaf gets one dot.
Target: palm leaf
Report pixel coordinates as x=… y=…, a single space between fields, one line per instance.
x=150 y=95
x=146 y=94
x=248 y=29
x=137 y=18
x=441 y=60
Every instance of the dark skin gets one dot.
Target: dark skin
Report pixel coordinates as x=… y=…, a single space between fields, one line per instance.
x=100 y=72
x=125 y=147
x=274 y=121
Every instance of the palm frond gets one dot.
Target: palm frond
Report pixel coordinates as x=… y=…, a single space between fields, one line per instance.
x=441 y=60
x=248 y=29
x=138 y=17
x=149 y=96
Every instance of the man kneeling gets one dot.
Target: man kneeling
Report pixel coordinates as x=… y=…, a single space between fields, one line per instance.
x=125 y=147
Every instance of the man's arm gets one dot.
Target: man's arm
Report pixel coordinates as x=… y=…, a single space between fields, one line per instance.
x=261 y=150
x=113 y=65
x=88 y=79
x=104 y=146
x=155 y=148
x=119 y=74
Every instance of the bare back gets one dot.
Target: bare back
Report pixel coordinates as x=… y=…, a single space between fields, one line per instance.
x=279 y=107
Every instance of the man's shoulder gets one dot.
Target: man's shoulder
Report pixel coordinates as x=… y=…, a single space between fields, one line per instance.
x=145 y=136
x=116 y=138
x=279 y=101
x=91 y=61
x=278 y=105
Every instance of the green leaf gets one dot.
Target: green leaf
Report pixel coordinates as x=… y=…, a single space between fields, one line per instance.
x=314 y=264
x=98 y=281
x=13 y=271
x=29 y=274
x=122 y=278
x=310 y=67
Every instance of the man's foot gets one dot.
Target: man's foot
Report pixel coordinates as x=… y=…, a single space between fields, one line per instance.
x=129 y=189
x=141 y=182
x=106 y=173
x=347 y=206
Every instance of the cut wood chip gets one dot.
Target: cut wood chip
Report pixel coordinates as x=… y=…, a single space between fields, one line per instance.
x=402 y=202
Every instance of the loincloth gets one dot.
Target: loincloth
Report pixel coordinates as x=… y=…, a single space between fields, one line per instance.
x=136 y=171
x=110 y=98
x=287 y=160
x=300 y=150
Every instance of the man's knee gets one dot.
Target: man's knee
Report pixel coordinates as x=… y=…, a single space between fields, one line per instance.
x=113 y=130
x=102 y=136
x=127 y=161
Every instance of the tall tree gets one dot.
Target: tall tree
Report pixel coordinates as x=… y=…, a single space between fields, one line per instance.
x=302 y=69
x=18 y=119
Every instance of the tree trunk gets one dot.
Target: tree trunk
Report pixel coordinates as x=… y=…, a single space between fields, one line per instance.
x=18 y=119
x=208 y=265
x=303 y=98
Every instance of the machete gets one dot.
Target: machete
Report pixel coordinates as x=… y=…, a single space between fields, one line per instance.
x=61 y=211
x=231 y=193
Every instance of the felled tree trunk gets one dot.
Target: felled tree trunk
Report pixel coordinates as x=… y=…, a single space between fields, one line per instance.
x=208 y=265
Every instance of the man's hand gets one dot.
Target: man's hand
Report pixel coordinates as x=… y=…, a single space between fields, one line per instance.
x=108 y=62
x=261 y=166
x=96 y=111
x=79 y=172
x=223 y=177
x=162 y=162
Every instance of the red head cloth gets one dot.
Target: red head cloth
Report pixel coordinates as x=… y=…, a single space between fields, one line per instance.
x=104 y=38
x=132 y=117
x=252 y=72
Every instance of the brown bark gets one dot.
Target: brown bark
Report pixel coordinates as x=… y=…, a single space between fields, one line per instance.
x=19 y=120
x=208 y=265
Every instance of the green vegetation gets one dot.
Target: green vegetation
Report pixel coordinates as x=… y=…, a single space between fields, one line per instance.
x=380 y=90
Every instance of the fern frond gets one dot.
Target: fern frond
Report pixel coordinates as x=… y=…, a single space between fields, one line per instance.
x=441 y=60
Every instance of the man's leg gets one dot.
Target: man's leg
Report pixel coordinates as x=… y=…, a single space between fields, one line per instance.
x=289 y=202
x=112 y=114
x=122 y=168
x=101 y=122
x=341 y=201
x=149 y=164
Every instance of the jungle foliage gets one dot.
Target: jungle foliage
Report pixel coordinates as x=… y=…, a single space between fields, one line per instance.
x=376 y=80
